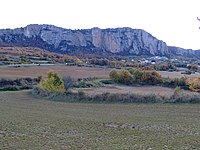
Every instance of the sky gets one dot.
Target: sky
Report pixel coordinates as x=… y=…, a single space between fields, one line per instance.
x=172 y=21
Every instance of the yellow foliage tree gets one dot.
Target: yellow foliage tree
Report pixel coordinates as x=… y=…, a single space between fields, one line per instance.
x=53 y=83
x=194 y=84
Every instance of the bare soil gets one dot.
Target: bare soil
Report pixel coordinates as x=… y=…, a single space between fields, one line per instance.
x=34 y=72
x=32 y=123
x=131 y=90
x=166 y=74
x=73 y=71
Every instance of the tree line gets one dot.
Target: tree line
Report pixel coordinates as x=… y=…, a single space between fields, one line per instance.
x=138 y=76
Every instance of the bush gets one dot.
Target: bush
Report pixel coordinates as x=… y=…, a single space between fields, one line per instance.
x=53 y=83
x=136 y=76
x=180 y=82
x=125 y=77
x=17 y=84
x=11 y=88
x=188 y=72
x=68 y=96
x=68 y=82
x=194 y=84
x=151 y=77
x=114 y=75
x=87 y=83
x=107 y=81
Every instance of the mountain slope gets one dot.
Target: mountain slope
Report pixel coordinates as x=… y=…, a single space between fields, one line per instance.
x=189 y=53
x=122 y=41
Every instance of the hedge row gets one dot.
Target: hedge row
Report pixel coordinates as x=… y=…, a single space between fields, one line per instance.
x=68 y=96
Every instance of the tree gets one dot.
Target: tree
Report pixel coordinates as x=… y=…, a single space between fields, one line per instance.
x=113 y=64
x=194 y=84
x=126 y=77
x=132 y=71
x=194 y=67
x=155 y=77
x=23 y=59
x=121 y=64
x=145 y=76
x=114 y=75
x=53 y=83
x=137 y=74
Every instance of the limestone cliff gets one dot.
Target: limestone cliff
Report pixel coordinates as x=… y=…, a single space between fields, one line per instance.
x=123 y=41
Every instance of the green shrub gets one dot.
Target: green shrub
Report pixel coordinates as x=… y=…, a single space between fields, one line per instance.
x=87 y=83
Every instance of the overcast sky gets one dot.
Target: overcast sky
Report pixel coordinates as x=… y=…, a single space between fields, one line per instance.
x=173 y=21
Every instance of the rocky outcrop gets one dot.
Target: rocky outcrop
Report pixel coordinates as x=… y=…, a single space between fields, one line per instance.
x=189 y=53
x=123 y=41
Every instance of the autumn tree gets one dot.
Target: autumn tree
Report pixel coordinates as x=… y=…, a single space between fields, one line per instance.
x=194 y=84
x=53 y=83
x=154 y=78
x=114 y=75
x=126 y=77
x=136 y=75
x=113 y=64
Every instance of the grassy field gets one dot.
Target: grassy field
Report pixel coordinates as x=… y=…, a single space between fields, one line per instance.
x=31 y=123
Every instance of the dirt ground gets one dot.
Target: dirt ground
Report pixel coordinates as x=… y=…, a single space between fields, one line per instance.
x=27 y=122
x=130 y=90
x=34 y=72
x=166 y=74
x=73 y=71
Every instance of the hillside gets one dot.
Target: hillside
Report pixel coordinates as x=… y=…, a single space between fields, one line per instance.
x=121 y=41
x=31 y=55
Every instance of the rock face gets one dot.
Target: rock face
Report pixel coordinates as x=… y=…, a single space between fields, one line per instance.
x=177 y=51
x=123 y=41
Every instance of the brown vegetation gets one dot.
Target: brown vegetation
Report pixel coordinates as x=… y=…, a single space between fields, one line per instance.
x=36 y=53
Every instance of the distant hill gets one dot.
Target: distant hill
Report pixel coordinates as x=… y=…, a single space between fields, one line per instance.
x=121 y=41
